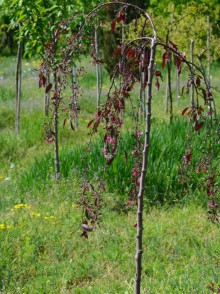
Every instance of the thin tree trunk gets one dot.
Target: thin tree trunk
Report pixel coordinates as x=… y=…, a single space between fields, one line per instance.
x=122 y=59
x=169 y=89
x=98 y=70
x=140 y=207
x=167 y=94
x=209 y=64
x=18 y=87
x=177 y=84
x=208 y=50
x=192 y=60
x=74 y=100
x=55 y=119
x=47 y=96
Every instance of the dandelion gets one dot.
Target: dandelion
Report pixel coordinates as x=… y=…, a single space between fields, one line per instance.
x=38 y=214
x=3 y=227
x=18 y=206
x=50 y=217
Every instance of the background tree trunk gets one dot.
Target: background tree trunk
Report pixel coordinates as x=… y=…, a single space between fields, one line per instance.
x=98 y=70
x=208 y=50
x=47 y=96
x=169 y=98
x=74 y=100
x=18 y=87
x=177 y=85
x=192 y=60
x=55 y=120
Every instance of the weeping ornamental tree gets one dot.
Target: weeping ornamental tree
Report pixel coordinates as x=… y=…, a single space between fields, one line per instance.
x=134 y=65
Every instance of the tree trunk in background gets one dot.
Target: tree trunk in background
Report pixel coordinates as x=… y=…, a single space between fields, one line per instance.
x=47 y=96
x=18 y=87
x=192 y=86
x=140 y=207
x=208 y=50
x=55 y=120
x=177 y=85
x=98 y=70
x=169 y=90
x=74 y=100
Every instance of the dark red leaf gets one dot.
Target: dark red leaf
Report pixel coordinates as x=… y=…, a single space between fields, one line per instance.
x=158 y=74
x=122 y=103
x=116 y=52
x=42 y=80
x=187 y=157
x=164 y=59
x=48 y=88
x=89 y=124
x=204 y=94
x=64 y=122
x=54 y=96
x=131 y=53
x=157 y=84
x=110 y=160
x=122 y=17
x=72 y=126
x=84 y=234
x=113 y=25
x=174 y=45
x=198 y=126
x=185 y=110
x=198 y=81
x=183 y=90
x=178 y=63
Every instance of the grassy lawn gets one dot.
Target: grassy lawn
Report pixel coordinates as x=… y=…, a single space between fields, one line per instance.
x=42 y=250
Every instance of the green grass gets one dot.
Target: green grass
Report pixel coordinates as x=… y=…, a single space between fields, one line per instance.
x=41 y=247
x=42 y=251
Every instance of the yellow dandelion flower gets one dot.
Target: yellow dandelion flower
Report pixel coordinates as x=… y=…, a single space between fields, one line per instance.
x=27 y=206
x=52 y=217
x=2 y=226
x=38 y=214
x=9 y=227
x=18 y=206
